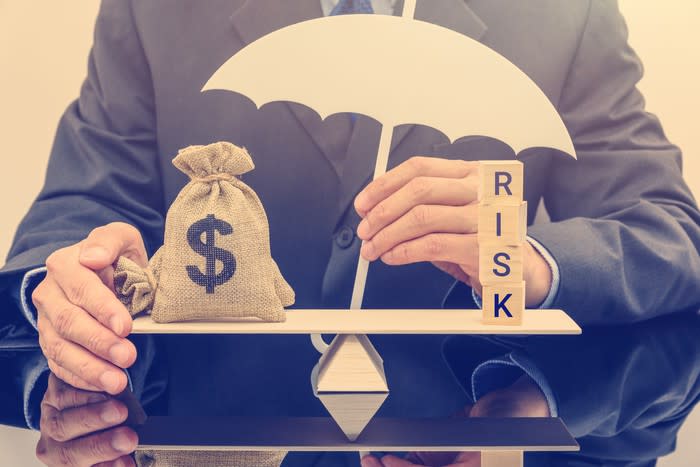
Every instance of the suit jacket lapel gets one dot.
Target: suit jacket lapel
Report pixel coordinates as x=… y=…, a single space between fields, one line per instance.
x=360 y=160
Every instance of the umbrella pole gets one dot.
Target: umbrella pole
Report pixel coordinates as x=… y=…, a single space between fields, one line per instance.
x=409 y=9
x=358 y=290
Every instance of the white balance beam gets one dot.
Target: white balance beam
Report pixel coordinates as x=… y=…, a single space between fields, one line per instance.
x=370 y=322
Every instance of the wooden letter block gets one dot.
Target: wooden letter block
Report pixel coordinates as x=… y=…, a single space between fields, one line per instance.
x=504 y=223
x=501 y=182
x=504 y=304
x=500 y=264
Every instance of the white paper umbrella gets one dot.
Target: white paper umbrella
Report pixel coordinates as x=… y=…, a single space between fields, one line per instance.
x=397 y=70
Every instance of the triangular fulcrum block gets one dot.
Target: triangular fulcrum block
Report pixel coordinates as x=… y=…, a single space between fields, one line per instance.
x=351 y=364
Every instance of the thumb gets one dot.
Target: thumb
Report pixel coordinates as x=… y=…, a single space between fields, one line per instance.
x=106 y=244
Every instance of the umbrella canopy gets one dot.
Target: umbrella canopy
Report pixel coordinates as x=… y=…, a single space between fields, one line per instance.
x=396 y=70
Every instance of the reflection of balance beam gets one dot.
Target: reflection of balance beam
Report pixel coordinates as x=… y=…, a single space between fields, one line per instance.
x=502 y=441
x=371 y=322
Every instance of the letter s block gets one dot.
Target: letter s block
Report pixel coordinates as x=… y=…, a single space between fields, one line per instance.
x=500 y=264
x=501 y=182
x=504 y=304
x=505 y=224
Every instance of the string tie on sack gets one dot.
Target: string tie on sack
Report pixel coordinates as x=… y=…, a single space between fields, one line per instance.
x=217 y=177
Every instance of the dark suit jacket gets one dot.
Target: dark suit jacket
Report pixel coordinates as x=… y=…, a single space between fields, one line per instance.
x=624 y=228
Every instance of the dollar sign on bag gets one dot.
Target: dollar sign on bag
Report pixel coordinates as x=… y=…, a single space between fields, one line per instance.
x=209 y=226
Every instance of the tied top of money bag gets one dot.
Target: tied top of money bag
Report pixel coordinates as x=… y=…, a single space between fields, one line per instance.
x=217 y=161
x=215 y=261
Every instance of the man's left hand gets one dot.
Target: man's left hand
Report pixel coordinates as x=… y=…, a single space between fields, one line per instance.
x=426 y=209
x=522 y=399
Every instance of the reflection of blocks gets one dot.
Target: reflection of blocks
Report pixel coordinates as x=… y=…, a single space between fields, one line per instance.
x=506 y=223
x=501 y=459
x=352 y=411
x=501 y=182
x=350 y=382
x=500 y=264
x=504 y=303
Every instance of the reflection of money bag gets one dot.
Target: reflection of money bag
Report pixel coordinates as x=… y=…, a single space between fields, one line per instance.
x=151 y=458
x=215 y=261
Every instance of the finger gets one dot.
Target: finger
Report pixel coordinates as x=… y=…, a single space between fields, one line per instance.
x=76 y=325
x=124 y=461
x=464 y=412
x=106 y=276
x=420 y=221
x=370 y=461
x=493 y=405
x=75 y=359
x=71 y=379
x=100 y=447
x=42 y=449
x=524 y=398
x=61 y=395
x=453 y=270
x=418 y=191
x=83 y=288
x=467 y=459
x=461 y=249
x=65 y=425
x=399 y=176
x=106 y=244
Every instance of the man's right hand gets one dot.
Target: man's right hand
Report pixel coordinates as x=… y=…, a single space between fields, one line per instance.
x=82 y=325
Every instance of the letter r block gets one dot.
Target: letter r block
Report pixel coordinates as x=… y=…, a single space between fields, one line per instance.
x=500 y=264
x=503 y=223
x=501 y=182
x=504 y=304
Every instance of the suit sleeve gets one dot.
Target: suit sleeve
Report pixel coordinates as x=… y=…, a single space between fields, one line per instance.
x=102 y=168
x=624 y=230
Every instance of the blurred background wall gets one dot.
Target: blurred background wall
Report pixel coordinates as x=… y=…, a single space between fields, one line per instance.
x=43 y=49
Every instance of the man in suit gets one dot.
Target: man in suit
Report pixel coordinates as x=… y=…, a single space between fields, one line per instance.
x=621 y=245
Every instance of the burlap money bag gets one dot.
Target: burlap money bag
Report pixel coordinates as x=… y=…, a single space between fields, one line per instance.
x=215 y=261
x=209 y=459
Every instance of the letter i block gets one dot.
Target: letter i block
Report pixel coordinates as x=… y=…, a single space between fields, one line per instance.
x=503 y=223
x=501 y=182
x=504 y=304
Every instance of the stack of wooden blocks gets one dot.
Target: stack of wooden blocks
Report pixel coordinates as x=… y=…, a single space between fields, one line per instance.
x=502 y=233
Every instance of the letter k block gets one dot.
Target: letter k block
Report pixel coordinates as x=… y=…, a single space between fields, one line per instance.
x=504 y=304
